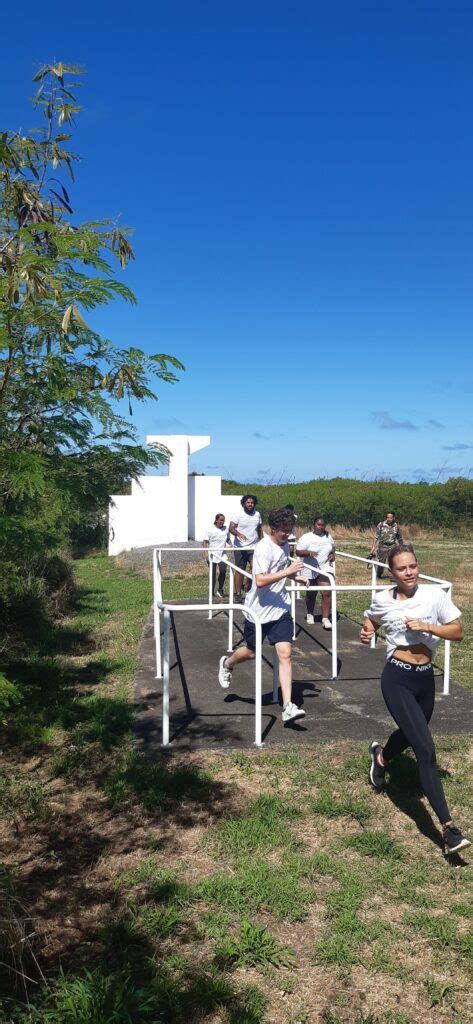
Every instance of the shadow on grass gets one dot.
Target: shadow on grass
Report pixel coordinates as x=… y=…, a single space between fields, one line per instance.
x=405 y=792
x=160 y=785
x=57 y=690
x=144 y=989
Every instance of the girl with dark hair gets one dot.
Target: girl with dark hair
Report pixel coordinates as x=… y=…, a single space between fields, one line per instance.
x=317 y=548
x=414 y=618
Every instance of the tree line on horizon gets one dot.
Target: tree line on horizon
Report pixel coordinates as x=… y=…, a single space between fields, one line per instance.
x=362 y=503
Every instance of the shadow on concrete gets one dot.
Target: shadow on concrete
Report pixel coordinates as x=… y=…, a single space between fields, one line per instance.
x=204 y=715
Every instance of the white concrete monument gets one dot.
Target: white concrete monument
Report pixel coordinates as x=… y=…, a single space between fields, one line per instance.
x=168 y=509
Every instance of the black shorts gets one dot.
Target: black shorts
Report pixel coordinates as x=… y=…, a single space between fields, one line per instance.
x=243 y=557
x=277 y=631
x=320 y=579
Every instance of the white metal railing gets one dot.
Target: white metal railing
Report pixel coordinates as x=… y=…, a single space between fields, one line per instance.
x=160 y=607
x=166 y=610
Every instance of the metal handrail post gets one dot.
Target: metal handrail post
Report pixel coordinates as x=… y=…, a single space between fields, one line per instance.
x=258 y=685
x=167 y=633
x=157 y=596
x=210 y=583
x=334 y=632
x=373 y=592
x=231 y=600
x=293 y=610
x=446 y=660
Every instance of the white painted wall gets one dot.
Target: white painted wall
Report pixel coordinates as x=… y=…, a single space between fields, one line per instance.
x=168 y=509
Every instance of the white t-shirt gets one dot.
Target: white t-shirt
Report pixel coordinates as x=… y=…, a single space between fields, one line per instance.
x=321 y=545
x=247 y=524
x=271 y=602
x=216 y=538
x=429 y=604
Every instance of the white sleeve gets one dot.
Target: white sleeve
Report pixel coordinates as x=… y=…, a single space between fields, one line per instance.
x=302 y=543
x=375 y=611
x=207 y=536
x=447 y=611
x=262 y=560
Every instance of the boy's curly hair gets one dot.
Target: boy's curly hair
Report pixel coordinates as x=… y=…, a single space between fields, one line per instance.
x=281 y=519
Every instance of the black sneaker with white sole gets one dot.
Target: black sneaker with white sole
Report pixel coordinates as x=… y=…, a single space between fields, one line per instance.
x=377 y=772
x=453 y=840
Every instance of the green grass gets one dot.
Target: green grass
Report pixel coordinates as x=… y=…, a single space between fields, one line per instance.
x=375 y=844
x=328 y=805
x=263 y=827
x=285 y=890
x=212 y=867
x=253 y=946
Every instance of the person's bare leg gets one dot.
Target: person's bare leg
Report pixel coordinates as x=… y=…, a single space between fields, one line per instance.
x=238 y=582
x=284 y=653
x=326 y=601
x=241 y=654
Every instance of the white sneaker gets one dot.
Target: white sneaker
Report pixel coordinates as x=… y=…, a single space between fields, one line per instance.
x=220 y=594
x=290 y=712
x=309 y=619
x=224 y=674
x=326 y=623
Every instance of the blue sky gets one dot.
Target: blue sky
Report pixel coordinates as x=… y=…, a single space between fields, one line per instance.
x=299 y=181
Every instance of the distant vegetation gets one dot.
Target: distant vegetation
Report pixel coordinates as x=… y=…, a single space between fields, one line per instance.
x=360 y=503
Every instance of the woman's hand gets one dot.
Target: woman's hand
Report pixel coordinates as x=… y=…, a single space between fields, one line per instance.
x=417 y=626
x=367 y=633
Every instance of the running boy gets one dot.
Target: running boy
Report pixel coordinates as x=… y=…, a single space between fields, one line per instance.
x=269 y=599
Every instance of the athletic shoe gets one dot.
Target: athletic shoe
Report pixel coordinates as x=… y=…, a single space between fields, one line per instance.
x=239 y=598
x=453 y=841
x=290 y=712
x=221 y=594
x=326 y=623
x=377 y=772
x=224 y=674
x=310 y=619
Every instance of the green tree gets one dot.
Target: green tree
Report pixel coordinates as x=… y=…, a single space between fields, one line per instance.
x=64 y=443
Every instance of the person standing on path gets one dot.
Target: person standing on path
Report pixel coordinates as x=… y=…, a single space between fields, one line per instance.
x=214 y=543
x=317 y=548
x=247 y=530
x=388 y=534
x=414 y=619
x=270 y=601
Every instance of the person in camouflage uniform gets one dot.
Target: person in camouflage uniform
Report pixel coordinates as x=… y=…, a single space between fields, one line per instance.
x=387 y=536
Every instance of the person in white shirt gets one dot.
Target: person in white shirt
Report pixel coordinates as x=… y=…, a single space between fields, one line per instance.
x=214 y=543
x=269 y=599
x=317 y=548
x=414 y=619
x=247 y=530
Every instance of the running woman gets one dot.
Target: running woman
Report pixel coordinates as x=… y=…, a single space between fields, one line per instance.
x=414 y=619
x=269 y=599
x=317 y=548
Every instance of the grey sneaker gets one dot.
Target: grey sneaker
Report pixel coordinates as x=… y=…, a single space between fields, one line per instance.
x=224 y=674
x=453 y=840
x=309 y=619
x=290 y=712
x=326 y=623
x=377 y=772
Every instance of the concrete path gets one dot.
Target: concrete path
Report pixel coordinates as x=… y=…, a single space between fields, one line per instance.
x=203 y=715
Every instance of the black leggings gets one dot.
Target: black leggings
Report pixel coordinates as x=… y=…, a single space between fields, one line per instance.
x=409 y=693
x=222 y=572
